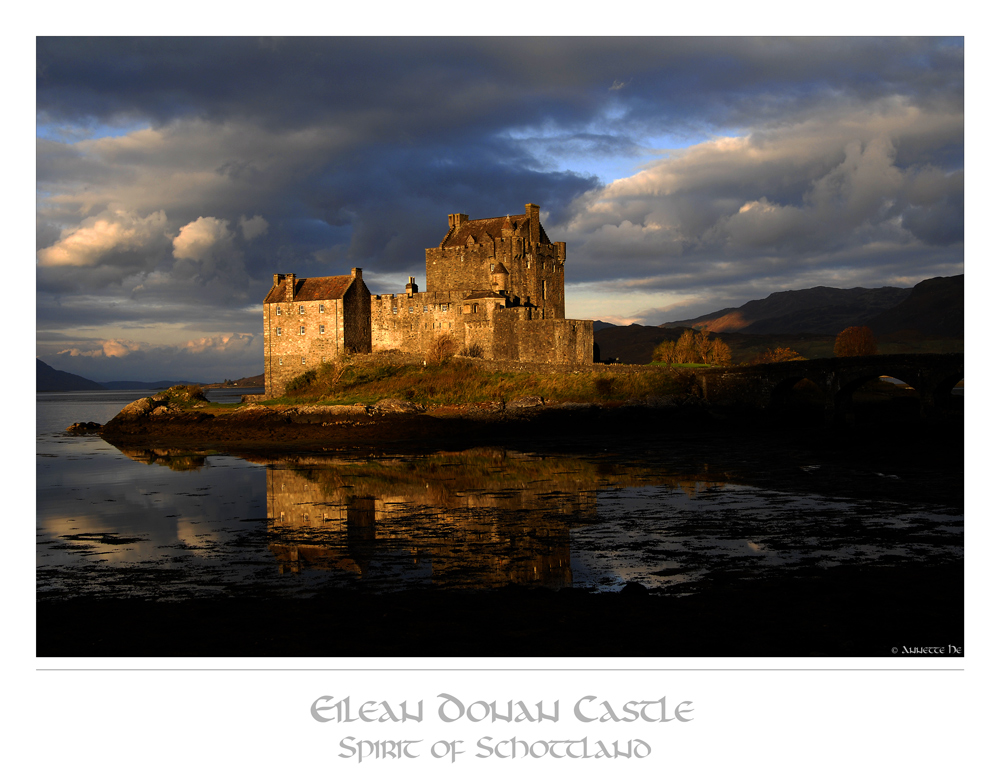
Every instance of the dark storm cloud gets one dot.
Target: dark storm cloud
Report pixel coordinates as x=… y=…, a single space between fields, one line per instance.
x=300 y=81
x=797 y=156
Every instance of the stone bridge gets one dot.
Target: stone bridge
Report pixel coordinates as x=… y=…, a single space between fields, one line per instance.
x=932 y=376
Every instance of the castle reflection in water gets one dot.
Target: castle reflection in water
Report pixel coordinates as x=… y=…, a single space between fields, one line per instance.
x=487 y=517
x=480 y=518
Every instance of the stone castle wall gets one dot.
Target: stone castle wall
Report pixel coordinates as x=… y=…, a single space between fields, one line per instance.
x=492 y=284
x=517 y=263
x=303 y=335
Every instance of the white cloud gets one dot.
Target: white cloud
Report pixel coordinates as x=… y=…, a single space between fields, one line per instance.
x=110 y=232
x=114 y=347
x=776 y=200
x=202 y=238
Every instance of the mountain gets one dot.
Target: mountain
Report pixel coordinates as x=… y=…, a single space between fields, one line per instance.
x=48 y=379
x=602 y=325
x=144 y=384
x=822 y=310
x=935 y=307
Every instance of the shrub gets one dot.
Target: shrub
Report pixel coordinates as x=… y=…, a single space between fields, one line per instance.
x=472 y=350
x=441 y=350
x=301 y=382
x=777 y=354
x=185 y=394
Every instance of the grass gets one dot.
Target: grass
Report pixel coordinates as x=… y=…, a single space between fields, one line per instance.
x=456 y=382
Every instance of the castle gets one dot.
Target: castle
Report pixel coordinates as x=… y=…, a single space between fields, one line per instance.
x=495 y=286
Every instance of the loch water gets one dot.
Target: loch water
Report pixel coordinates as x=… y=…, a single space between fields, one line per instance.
x=164 y=524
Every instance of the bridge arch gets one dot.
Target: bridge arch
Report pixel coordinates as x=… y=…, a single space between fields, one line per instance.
x=797 y=388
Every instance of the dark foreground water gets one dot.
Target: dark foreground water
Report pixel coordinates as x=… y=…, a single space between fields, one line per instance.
x=170 y=525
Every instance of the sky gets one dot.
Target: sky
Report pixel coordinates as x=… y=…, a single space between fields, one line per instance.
x=174 y=176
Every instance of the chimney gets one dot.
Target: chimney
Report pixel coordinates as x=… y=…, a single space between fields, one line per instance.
x=456 y=220
x=289 y=287
x=531 y=211
x=355 y=272
x=411 y=287
x=277 y=278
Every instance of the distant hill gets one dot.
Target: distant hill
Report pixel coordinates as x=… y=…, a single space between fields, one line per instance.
x=935 y=307
x=925 y=319
x=145 y=384
x=602 y=325
x=821 y=310
x=254 y=380
x=48 y=379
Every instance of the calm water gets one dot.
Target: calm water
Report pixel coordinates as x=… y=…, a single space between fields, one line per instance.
x=168 y=525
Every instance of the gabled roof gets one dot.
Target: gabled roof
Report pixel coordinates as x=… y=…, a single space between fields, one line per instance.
x=485 y=230
x=323 y=288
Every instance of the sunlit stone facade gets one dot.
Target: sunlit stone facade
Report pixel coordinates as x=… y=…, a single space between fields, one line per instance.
x=495 y=286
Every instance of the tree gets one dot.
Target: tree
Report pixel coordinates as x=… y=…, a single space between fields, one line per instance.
x=441 y=349
x=693 y=347
x=703 y=346
x=720 y=354
x=855 y=342
x=665 y=352
x=686 y=350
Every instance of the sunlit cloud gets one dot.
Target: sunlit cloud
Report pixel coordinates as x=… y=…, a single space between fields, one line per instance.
x=99 y=238
x=199 y=239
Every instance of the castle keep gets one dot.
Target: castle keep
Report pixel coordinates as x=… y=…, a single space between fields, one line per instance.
x=495 y=286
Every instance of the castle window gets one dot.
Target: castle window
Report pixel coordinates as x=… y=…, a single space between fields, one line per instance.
x=302 y=309
x=302 y=330
x=475 y=307
x=277 y=331
x=394 y=310
x=281 y=361
x=279 y=310
x=545 y=290
x=322 y=308
x=492 y=267
x=425 y=309
x=322 y=329
x=303 y=360
x=324 y=359
x=411 y=309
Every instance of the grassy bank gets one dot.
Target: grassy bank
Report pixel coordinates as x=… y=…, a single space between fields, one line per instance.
x=456 y=382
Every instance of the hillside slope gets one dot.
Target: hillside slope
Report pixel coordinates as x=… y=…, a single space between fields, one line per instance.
x=935 y=307
x=48 y=379
x=822 y=310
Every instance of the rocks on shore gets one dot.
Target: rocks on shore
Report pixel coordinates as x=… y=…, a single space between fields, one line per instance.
x=395 y=405
x=84 y=427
